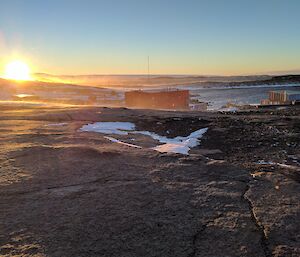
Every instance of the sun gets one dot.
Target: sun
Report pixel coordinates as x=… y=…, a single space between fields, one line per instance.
x=17 y=70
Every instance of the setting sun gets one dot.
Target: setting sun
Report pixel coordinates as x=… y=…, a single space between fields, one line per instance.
x=17 y=70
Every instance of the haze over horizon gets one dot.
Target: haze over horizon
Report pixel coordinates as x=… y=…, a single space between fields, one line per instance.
x=181 y=38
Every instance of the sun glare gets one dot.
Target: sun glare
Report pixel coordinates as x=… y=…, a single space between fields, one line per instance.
x=17 y=70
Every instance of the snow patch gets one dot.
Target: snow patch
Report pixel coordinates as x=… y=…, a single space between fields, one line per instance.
x=23 y=95
x=175 y=145
x=262 y=162
x=282 y=165
x=178 y=144
x=112 y=139
x=56 y=124
x=229 y=109
x=116 y=128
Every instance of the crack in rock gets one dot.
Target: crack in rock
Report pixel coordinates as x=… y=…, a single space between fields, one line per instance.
x=195 y=238
x=198 y=233
x=258 y=224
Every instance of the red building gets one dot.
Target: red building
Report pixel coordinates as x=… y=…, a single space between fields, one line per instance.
x=168 y=100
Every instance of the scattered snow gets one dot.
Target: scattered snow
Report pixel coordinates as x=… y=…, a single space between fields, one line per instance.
x=229 y=109
x=286 y=166
x=179 y=144
x=23 y=95
x=56 y=124
x=170 y=145
x=262 y=162
x=117 y=128
x=172 y=148
x=122 y=143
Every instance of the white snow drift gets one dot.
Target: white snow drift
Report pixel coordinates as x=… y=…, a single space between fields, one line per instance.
x=178 y=144
x=118 y=128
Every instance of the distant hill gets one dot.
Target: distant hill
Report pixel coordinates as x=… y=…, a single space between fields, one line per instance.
x=285 y=78
x=143 y=80
x=275 y=80
x=65 y=83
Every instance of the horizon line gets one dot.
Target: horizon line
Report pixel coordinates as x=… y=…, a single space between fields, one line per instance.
x=274 y=73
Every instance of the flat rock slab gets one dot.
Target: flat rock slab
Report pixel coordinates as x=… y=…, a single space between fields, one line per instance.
x=70 y=193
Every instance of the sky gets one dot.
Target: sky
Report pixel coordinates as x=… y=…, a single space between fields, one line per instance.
x=207 y=37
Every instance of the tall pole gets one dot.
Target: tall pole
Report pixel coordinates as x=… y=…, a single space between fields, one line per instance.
x=148 y=68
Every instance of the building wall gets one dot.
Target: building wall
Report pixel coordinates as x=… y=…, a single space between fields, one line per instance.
x=278 y=96
x=294 y=97
x=281 y=97
x=171 y=100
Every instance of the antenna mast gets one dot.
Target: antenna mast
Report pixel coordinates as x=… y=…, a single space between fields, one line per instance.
x=148 y=68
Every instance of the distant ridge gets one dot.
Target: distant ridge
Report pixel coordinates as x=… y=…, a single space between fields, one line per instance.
x=165 y=80
x=143 y=80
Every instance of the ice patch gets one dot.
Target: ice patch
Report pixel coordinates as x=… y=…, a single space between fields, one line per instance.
x=282 y=165
x=117 y=128
x=262 y=162
x=172 y=148
x=122 y=143
x=23 y=95
x=56 y=124
x=178 y=144
x=229 y=109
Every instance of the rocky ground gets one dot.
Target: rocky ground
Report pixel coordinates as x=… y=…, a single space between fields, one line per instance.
x=69 y=193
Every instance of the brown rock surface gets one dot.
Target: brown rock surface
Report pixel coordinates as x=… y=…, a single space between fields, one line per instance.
x=70 y=193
